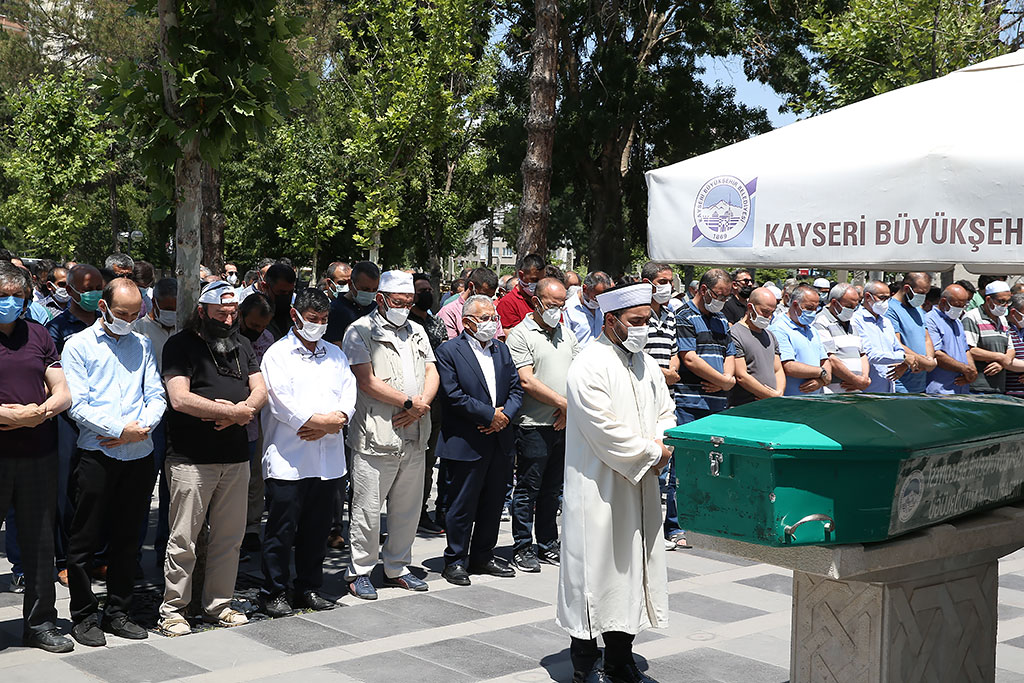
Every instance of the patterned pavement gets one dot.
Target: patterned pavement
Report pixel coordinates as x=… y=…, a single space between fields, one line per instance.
x=729 y=622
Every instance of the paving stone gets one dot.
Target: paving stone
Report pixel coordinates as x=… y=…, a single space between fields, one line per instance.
x=53 y=669
x=1016 y=642
x=139 y=663
x=489 y=600
x=295 y=635
x=474 y=658
x=720 y=557
x=8 y=599
x=364 y=622
x=390 y=667
x=779 y=583
x=429 y=611
x=1012 y=581
x=528 y=640
x=708 y=664
x=317 y=674
x=1009 y=611
x=1005 y=676
x=711 y=609
x=218 y=648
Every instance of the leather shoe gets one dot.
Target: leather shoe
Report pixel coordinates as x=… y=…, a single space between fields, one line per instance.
x=494 y=568
x=408 y=581
x=314 y=601
x=123 y=627
x=456 y=574
x=628 y=673
x=277 y=607
x=51 y=641
x=88 y=633
x=596 y=675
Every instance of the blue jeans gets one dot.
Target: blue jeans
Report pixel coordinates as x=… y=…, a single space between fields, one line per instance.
x=163 y=495
x=540 y=464
x=684 y=415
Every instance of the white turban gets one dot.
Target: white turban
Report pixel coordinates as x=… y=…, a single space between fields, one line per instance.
x=396 y=282
x=997 y=287
x=625 y=297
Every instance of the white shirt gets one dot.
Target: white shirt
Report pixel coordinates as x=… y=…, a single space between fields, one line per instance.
x=584 y=322
x=299 y=384
x=486 y=360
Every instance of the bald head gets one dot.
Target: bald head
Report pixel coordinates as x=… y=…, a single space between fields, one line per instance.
x=550 y=286
x=762 y=296
x=877 y=287
x=122 y=291
x=956 y=295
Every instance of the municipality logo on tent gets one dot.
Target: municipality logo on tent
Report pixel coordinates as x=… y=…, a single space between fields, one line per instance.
x=723 y=213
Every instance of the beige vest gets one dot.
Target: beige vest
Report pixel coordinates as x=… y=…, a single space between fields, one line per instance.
x=371 y=431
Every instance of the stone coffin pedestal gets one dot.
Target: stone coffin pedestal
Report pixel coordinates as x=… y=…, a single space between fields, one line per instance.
x=921 y=607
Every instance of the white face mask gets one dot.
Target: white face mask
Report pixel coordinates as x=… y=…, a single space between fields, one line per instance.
x=311 y=332
x=590 y=303
x=551 y=316
x=636 y=337
x=917 y=300
x=999 y=311
x=485 y=330
x=116 y=325
x=167 y=318
x=955 y=312
x=397 y=316
x=845 y=313
x=713 y=305
x=880 y=307
x=662 y=293
x=758 y=320
x=232 y=278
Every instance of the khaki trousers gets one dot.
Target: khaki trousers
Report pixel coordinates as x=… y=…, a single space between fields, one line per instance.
x=398 y=480
x=198 y=490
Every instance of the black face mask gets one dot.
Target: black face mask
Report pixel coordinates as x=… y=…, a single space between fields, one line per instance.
x=746 y=291
x=424 y=300
x=217 y=329
x=251 y=335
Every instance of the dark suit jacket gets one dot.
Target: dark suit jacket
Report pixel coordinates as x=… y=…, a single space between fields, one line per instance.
x=466 y=403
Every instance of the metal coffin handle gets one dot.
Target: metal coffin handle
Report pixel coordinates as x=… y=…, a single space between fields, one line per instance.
x=829 y=526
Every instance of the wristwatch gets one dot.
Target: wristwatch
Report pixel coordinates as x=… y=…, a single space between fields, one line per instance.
x=823 y=374
x=408 y=403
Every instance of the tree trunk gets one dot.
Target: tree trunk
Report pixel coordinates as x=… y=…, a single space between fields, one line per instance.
x=188 y=189
x=212 y=221
x=115 y=218
x=534 y=212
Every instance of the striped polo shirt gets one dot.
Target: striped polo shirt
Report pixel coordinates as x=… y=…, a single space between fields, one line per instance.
x=661 y=340
x=991 y=335
x=708 y=336
x=1015 y=380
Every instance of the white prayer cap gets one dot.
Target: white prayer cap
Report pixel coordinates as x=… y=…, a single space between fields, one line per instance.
x=997 y=287
x=774 y=290
x=218 y=292
x=822 y=282
x=396 y=282
x=625 y=297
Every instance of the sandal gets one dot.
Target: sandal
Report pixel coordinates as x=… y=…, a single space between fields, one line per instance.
x=227 y=618
x=679 y=540
x=174 y=627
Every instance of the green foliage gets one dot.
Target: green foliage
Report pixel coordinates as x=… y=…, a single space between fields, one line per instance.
x=874 y=46
x=59 y=151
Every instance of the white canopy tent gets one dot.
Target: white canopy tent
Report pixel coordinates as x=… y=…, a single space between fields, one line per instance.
x=923 y=177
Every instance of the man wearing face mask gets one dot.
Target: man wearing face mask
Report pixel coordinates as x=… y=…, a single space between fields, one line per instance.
x=339 y=274
x=358 y=301
x=481 y=396
x=57 y=286
x=573 y=284
x=759 y=372
x=908 y=319
x=804 y=360
x=388 y=435
x=618 y=409
x=542 y=349
x=706 y=350
x=480 y=281
x=279 y=286
x=988 y=338
x=736 y=306
x=850 y=369
x=230 y=274
x=583 y=314
x=311 y=394
x=885 y=353
x=518 y=303
x=215 y=388
x=116 y=399
x=955 y=371
x=1015 y=316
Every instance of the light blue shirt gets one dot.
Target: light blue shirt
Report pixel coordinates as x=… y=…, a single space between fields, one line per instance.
x=908 y=322
x=38 y=312
x=112 y=382
x=584 y=323
x=947 y=336
x=800 y=343
x=881 y=347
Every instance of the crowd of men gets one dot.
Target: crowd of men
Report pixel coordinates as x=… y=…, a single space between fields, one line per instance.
x=284 y=420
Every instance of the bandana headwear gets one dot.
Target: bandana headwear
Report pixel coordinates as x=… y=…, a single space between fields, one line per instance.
x=396 y=282
x=625 y=297
x=997 y=287
x=219 y=292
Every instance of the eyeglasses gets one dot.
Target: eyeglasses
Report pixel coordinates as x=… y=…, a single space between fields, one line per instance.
x=392 y=304
x=485 y=318
x=744 y=279
x=318 y=352
x=227 y=371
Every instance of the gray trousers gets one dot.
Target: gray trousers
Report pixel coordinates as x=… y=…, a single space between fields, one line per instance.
x=378 y=479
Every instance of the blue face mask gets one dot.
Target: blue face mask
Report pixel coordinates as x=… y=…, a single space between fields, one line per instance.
x=10 y=308
x=807 y=317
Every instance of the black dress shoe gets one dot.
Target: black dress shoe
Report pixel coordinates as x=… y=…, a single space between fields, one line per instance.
x=123 y=627
x=88 y=633
x=456 y=574
x=277 y=607
x=596 y=675
x=495 y=568
x=251 y=543
x=428 y=527
x=628 y=673
x=313 y=600
x=51 y=641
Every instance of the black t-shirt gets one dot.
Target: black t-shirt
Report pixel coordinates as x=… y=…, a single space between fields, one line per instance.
x=734 y=310
x=191 y=438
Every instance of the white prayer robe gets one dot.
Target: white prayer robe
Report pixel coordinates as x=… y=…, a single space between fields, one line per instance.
x=612 y=575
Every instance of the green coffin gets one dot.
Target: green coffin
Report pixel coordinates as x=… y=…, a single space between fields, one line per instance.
x=846 y=468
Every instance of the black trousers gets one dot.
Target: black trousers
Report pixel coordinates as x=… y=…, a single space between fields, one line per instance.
x=540 y=461
x=111 y=498
x=28 y=483
x=618 y=651
x=299 y=517
x=475 y=493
